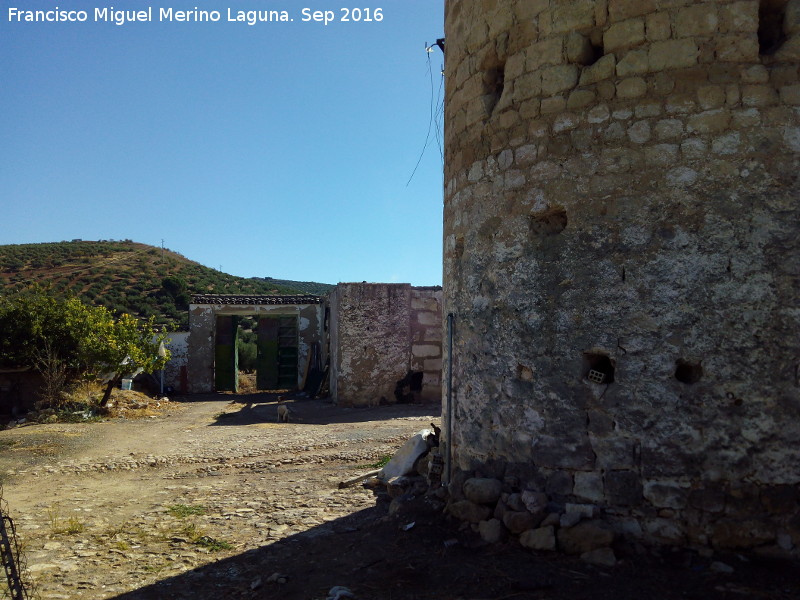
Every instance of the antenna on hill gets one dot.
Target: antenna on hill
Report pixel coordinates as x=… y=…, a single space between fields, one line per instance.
x=162 y=249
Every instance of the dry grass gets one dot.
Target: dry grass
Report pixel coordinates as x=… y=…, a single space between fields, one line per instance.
x=247 y=383
x=136 y=405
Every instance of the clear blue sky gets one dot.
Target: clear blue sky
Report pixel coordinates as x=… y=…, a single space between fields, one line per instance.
x=278 y=149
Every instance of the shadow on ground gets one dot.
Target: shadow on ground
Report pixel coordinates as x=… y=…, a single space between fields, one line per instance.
x=418 y=555
x=262 y=408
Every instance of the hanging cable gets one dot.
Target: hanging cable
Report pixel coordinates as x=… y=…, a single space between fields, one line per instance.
x=433 y=121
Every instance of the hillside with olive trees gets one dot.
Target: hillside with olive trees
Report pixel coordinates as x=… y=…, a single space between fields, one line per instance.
x=128 y=277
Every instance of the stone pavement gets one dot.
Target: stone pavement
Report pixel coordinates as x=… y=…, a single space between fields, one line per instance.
x=151 y=500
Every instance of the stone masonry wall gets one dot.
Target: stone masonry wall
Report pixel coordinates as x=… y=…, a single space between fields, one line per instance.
x=385 y=343
x=175 y=371
x=426 y=341
x=621 y=257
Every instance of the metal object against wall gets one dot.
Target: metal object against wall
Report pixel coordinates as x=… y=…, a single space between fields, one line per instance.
x=10 y=557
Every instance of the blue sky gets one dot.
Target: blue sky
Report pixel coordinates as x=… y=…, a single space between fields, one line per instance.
x=278 y=149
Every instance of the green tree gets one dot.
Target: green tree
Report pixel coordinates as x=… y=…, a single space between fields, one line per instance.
x=33 y=318
x=175 y=288
x=88 y=340
x=248 y=352
x=126 y=345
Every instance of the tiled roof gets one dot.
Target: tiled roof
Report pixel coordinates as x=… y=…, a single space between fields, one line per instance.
x=255 y=299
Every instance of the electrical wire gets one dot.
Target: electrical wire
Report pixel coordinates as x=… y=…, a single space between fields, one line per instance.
x=433 y=122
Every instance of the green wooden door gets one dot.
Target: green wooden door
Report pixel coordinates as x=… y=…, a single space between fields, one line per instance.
x=287 y=352
x=277 y=353
x=226 y=356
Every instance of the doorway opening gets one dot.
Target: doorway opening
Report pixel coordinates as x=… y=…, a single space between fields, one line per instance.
x=266 y=347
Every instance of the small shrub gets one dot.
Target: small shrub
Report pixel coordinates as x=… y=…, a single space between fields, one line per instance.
x=213 y=544
x=58 y=526
x=182 y=511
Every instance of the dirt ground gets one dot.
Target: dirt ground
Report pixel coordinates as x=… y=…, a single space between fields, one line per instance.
x=211 y=498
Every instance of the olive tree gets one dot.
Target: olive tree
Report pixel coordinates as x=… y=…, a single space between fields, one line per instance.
x=84 y=340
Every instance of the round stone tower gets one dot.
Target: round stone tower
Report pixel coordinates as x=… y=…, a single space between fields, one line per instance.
x=622 y=258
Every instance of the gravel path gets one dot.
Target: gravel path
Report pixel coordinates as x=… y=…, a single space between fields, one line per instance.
x=105 y=508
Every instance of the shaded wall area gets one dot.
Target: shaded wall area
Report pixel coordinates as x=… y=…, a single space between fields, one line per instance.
x=20 y=388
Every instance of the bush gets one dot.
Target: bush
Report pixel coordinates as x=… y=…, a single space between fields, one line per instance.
x=247 y=355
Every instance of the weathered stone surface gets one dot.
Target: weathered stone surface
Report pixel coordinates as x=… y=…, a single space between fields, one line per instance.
x=569 y=16
x=672 y=54
x=535 y=502
x=790 y=95
x=584 y=537
x=623 y=35
x=539 y=539
x=602 y=69
x=666 y=494
x=739 y=16
x=519 y=521
x=578 y=49
x=397 y=486
x=514 y=502
x=620 y=10
x=582 y=98
x=790 y=51
x=589 y=486
x=632 y=87
x=739 y=533
x=710 y=121
x=483 y=490
x=492 y=531
x=552 y=518
x=666 y=531
x=791 y=18
x=634 y=62
x=464 y=510
x=658 y=26
x=698 y=20
x=575 y=513
x=639 y=132
x=559 y=79
x=623 y=488
x=376 y=341
x=632 y=195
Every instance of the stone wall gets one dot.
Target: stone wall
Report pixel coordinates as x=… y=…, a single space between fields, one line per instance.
x=175 y=372
x=426 y=340
x=385 y=343
x=621 y=258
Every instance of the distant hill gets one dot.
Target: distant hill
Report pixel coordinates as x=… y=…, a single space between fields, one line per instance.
x=306 y=287
x=129 y=277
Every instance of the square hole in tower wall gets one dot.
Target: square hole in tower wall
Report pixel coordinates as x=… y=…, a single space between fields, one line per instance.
x=494 y=83
x=771 y=14
x=688 y=372
x=598 y=367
